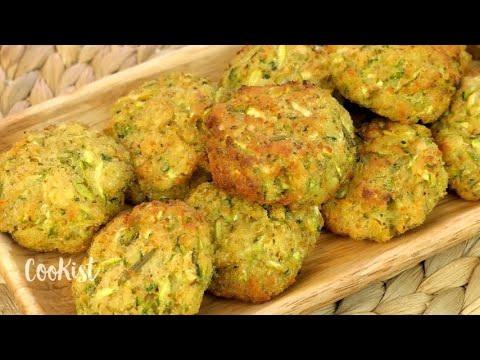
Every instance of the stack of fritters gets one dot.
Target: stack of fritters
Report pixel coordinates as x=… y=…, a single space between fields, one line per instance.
x=231 y=181
x=457 y=134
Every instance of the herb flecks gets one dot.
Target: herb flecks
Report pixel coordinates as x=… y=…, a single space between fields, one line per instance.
x=140 y=263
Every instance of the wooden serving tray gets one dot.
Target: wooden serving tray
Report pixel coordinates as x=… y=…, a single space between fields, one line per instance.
x=337 y=267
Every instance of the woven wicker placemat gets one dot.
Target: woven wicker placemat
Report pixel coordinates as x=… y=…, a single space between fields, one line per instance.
x=30 y=74
x=447 y=283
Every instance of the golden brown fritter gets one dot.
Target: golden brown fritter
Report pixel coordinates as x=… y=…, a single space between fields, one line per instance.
x=135 y=195
x=259 y=250
x=60 y=185
x=457 y=134
x=156 y=259
x=397 y=182
x=290 y=144
x=260 y=65
x=407 y=83
x=161 y=124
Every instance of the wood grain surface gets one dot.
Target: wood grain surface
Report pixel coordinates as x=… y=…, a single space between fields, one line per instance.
x=336 y=268
x=7 y=305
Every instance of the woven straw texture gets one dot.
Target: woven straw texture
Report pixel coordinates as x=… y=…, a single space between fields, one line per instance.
x=30 y=74
x=447 y=283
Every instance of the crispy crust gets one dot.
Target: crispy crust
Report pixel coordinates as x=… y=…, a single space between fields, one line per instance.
x=289 y=144
x=259 y=250
x=161 y=124
x=60 y=185
x=408 y=83
x=457 y=134
x=396 y=183
x=260 y=65
x=157 y=259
